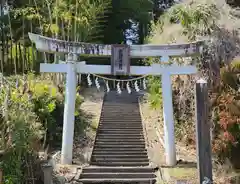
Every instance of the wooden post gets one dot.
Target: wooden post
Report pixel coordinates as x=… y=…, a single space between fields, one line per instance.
x=203 y=132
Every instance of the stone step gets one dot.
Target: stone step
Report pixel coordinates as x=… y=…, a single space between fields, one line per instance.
x=122 y=152
x=138 y=144
x=122 y=101
x=125 y=132
x=100 y=141
x=105 y=119
x=119 y=114
x=97 y=148
x=118 y=109
x=92 y=169
x=128 y=112
x=118 y=146
x=104 y=163
x=116 y=138
x=129 y=160
x=103 y=180
x=120 y=119
x=106 y=156
x=114 y=128
x=120 y=127
x=117 y=175
x=122 y=123
x=121 y=107
x=129 y=135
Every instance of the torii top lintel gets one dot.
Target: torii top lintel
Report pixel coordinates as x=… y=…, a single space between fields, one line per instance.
x=47 y=44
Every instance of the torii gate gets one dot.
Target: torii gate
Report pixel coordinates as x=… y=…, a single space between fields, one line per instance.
x=71 y=67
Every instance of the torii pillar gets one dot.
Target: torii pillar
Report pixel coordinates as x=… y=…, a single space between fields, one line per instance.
x=69 y=111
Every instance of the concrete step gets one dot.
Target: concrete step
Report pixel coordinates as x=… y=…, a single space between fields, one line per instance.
x=121 y=110
x=129 y=160
x=111 y=163
x=121 y=120
x=125 y=113
x=118 y=181
x=121 y=106
x=106 y=156
x=92 y=169
x=121 y=116
x=122 y=152
x=117 y=175
x=97 y=148
x=114 y=127
x=117 y=127
x=111 y=142
x=125 y=132
x=118 y=146
x=120 y=124
x=128 y=144
x=116 y=139
x=129 y=135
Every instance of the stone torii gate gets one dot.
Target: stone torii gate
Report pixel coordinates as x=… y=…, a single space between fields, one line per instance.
x=72 y=67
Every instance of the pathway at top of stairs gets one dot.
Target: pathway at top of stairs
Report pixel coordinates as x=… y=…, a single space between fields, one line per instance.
x=119 y=154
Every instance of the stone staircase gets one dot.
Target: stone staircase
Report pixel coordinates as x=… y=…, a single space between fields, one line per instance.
x=119 y=154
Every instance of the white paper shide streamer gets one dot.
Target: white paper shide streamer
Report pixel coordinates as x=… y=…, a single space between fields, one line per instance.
x=137 y=83
x=97 y=83
x=144 y=84
x=107 y=86
x=119 y=88
x=89 y=80
x=136 y=86
x=128 y=88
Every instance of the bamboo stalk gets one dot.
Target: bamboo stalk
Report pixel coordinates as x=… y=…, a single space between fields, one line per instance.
x=2 y=40
x=11 y=36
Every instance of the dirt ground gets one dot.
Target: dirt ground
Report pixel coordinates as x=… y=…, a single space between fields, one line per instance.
x=186 y=171
x=83 y=143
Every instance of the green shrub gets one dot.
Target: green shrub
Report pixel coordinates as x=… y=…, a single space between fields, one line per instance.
x=34 y=118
